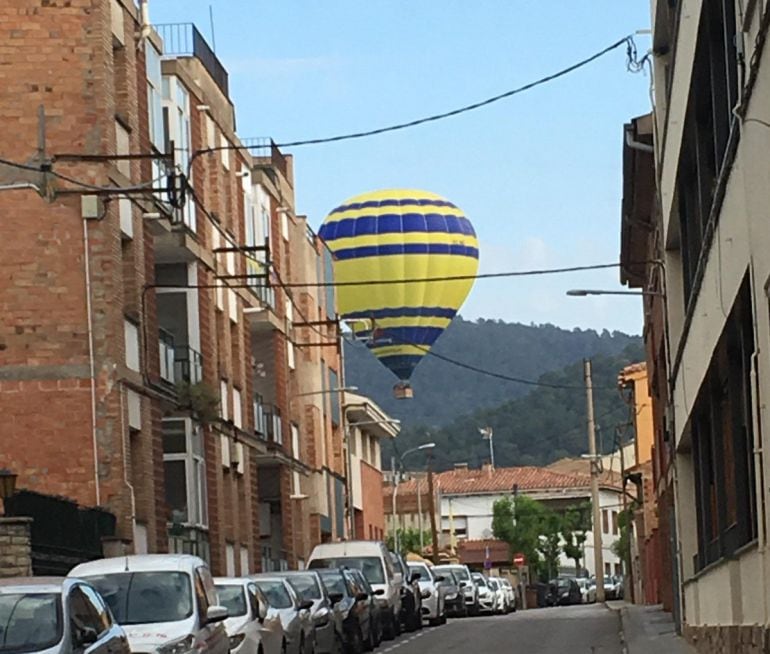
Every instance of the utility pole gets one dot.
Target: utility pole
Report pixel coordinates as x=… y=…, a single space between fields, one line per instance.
x=418 y=479
x=626 y=516
x=432 y=509
x=597 y=512
x=394 y=509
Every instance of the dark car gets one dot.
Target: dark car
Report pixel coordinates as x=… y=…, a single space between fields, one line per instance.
x=411 y=595
x=564 y=592
x=328 y=628
x=353 y=612
x=379 y=612
x=454 y=599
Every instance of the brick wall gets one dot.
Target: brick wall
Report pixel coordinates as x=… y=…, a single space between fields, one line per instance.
x=735 y=639
x=373 y=517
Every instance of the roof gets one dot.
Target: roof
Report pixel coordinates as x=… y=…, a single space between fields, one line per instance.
x=500 y=480
x=362 y=410
x=478 y=551
x=582 y=468
x=32 y=584
x=137 y=563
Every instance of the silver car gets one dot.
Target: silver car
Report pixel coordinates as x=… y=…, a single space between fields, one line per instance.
x=433 y=598
x=250 y=629
x=309 y=586
x=294 y=613
x=469 y=589
x=55 y=615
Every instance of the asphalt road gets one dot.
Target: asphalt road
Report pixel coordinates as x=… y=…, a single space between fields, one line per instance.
x=591 y=629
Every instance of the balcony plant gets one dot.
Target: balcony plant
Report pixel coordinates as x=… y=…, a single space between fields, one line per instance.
x=200 y=399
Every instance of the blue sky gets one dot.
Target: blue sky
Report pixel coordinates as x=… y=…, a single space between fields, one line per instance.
x=539 y=174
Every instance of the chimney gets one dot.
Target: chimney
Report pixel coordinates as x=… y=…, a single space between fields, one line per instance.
x=487 y=467
x=461 y=466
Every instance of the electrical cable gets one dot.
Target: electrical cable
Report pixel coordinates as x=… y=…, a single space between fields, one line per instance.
x=631 y=52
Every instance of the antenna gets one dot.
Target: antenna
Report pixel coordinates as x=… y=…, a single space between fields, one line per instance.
x=213 y=37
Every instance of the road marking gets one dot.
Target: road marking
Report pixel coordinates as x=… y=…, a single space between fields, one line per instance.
x=415 y=636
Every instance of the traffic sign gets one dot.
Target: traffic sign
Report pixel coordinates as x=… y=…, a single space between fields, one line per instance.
x=519 y=559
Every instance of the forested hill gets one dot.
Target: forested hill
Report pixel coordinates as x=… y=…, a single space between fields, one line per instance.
x=444 y=392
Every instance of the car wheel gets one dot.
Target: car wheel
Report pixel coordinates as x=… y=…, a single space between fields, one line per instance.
x=355 y=641
x=413 y=621
x=396 y=625
x=284 y=647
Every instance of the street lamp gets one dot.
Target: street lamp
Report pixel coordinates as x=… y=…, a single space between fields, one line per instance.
x=583 y=292
x=424 y=446
x=7 y=484
x=487 y=433
x=342 y=389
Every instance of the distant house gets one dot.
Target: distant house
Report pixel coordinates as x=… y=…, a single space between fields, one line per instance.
x=465 y=497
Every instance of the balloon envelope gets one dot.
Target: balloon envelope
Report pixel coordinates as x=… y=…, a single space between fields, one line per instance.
x=401 y=235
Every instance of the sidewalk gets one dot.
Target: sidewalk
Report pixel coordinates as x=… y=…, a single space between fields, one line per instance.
x=649 y=630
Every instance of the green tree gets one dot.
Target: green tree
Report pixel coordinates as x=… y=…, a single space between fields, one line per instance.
x=576 y=521
x=409 y=540
x=622 y=546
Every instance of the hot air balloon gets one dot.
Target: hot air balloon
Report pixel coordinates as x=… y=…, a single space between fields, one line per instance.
x=406 y=237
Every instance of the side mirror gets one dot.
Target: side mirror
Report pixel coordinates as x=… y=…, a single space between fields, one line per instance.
x=415 y=576
x=216 y=614
x=440 y=578
x=305 y=605
x=87 y=636
x=463 y=584
x=335 y=598
x=425 y=594
x=360 y=597
x=379 y=592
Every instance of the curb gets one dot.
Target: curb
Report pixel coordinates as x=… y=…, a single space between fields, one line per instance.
x=621 y=631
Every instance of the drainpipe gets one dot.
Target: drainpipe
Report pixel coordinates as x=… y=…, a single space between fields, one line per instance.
x=126 y=476
x=91 y=359
x=638 y=145
x=144 y=20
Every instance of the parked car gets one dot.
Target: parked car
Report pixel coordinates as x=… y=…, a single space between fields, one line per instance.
x=587 y=590
x=433 y=596
x=487 y=597
x=373 y=559
x=469 y=589
x=610 y=589
x=363 y=586
x=454 y=600
x=308 y=586
x=503 y=603
x=619 y=587
x=250 y=629
x=164 y=602
x=294 y=613
x=411 y=595
x=564 y=592
x=353 y=611
x=58 y=616
x=510 y=594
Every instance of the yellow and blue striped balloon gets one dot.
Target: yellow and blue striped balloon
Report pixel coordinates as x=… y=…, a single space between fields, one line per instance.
x=401 y=235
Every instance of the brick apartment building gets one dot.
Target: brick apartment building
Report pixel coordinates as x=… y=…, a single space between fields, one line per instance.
x=146 y=365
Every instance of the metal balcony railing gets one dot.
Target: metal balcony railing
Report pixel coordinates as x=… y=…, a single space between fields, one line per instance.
x=274 y=430
x=188 y=365
x=266 y=152
x=184 y=40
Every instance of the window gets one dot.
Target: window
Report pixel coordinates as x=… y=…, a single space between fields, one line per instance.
x=244 y=555
x=185 y=472
x=131 y=335
x=295 y=452
x=122 y=146
x=353 y=441
x=721 y=424
x=334 y=397
x=605 y=522
x=331 y=308
x=177 y=130
x=290 y=359
x=296 y=485
x=713 y=94
x=30 y=622
x=237 y=409
x=87 y=611
x=607 y=569
x=618 y=569
x=232 y=305
x=230 y=560
x=224 y=144
x=284 y=224
x=154 y=110
x=211 y=132
x=126 y=217
x=259 y=416
x=615 y=523
x=257 y=217
x=224 y=446
x=224 y=401
x=238 y=458
x=216 y=243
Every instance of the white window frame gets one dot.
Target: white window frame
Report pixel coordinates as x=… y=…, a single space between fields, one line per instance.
x=176 y=102
x=154 y=96
x=243 y=556
x=126 y=217
x=131 y=336
x=290 y=357
x=237 y=408
x=295 y=441
x=230 y=559
x=123 y=146
x=224 y=401
x=195 y=469
x=224 y=446
x=240 y=464
x=216 y=243
x=224 y=144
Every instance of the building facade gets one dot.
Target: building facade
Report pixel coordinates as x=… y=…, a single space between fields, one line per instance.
x=151 y=254
x=694 y=209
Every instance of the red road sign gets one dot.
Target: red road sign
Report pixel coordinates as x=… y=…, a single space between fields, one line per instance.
x=519 y=559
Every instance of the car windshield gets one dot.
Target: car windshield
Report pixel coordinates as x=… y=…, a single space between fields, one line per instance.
x=493 y=585
x=480 y=580
x=275 y=592
x=146 y=597
x=371 y=566
x=461 y=573
x=333 y=582
x=563 y=583
x=29 y=621
x=422 y=570
x=233 y=599
x=306 y=586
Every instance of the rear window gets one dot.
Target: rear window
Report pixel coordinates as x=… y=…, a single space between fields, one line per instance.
x=146 y=597
x=334 y=582
x=422 y=570
x=481 y=581
x=233 y=599
x=461 y=573
x=30 y=622
x=306 y=586
x=275 y=592
x=370 y=566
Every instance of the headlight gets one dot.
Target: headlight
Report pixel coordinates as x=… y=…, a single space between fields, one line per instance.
x=236 y=640
x=452 y=596
x=179 y=646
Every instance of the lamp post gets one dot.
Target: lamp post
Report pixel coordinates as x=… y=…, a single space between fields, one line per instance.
x=486 y=434
x=396 y=471
x=7 y=485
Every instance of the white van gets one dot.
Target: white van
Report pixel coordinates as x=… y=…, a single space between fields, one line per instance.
x=166 y=603
x=373 y=560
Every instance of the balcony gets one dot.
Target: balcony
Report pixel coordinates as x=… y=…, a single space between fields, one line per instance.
x=166 y=354
x=184 y=40
x=178 y=363
x=266 y=153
